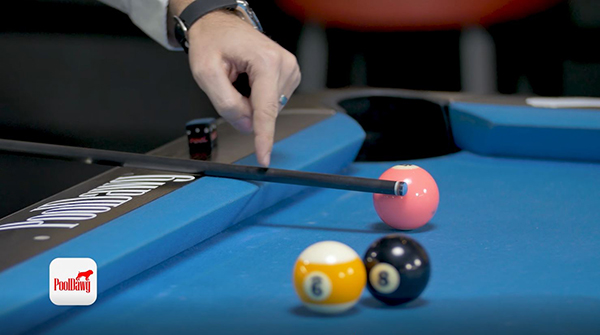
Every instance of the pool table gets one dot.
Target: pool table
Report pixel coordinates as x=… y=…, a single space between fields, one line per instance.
x=514 y=245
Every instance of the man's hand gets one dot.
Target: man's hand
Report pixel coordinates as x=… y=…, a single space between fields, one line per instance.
x=223 y=46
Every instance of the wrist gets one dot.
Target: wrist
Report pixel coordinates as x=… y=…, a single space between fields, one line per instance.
x=197 y=10
x=216 y=18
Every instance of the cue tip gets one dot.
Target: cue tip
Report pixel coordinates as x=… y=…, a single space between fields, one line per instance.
x=400 y=188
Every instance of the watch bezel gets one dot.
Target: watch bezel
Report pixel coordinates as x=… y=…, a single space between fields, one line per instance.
x=247 y=14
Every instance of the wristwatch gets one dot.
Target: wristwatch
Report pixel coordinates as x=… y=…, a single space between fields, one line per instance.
x=199 y=8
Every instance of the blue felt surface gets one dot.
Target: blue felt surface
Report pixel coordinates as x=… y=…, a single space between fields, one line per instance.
x=150 y=234
x=521 y=131
x=514 y=248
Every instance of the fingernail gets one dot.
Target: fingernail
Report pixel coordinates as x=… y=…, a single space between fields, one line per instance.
x=266 y=159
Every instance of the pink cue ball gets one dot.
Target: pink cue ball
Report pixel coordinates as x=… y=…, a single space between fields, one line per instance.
x=414 y=209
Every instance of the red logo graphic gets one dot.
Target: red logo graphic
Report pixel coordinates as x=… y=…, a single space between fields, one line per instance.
x=198 y=140
x=85 y=274
x=74 y=284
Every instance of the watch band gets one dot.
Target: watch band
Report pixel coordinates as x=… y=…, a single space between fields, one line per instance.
x=198 y=9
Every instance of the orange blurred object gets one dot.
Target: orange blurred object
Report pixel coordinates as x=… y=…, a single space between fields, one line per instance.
x=394 y=15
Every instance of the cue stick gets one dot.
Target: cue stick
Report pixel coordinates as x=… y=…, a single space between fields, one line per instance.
x=212 y=169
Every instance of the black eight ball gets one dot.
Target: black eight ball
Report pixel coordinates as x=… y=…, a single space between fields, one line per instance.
x=398 y=269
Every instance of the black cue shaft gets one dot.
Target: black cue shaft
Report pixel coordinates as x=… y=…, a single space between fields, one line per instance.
x=244 y=172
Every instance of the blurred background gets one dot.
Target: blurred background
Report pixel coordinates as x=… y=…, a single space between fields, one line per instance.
x=78 y=72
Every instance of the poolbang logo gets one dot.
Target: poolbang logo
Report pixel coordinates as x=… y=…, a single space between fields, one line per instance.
x=73 y=281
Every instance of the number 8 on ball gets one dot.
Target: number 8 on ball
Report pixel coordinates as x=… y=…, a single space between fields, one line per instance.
x=398 y=269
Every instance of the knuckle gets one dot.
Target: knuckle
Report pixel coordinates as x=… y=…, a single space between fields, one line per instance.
x=270 y=110
x=289 y=61
x=298 y=77
x=270 y=57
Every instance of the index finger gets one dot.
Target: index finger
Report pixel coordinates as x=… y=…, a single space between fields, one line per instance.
x=265 y=103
